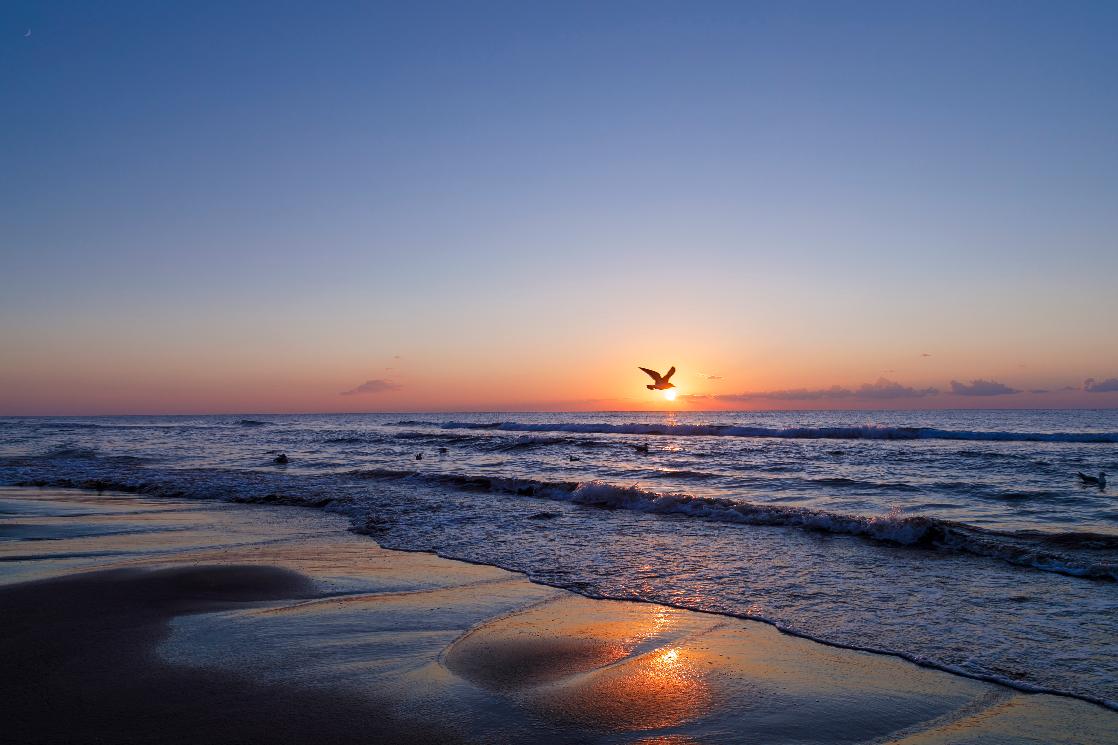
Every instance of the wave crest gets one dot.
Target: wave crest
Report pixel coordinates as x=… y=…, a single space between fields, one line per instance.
x=1074 y=554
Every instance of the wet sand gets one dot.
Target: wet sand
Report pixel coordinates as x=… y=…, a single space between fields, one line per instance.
x=128 y=619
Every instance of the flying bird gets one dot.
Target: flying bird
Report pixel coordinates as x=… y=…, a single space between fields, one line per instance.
x=28 y=34
x=1099 y=481
x=661 y=381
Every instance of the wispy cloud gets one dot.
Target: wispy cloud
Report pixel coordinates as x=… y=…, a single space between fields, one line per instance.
x=1110 y=385
x=886 y=389
x=882 y=390
x=981 y=388
x=709 y=376
x=372 y=386
x=790 y=394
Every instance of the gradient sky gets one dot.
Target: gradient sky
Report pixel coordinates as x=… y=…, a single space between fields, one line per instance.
x=237 y=207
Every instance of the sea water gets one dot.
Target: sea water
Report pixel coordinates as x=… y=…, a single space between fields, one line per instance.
x=958 y=539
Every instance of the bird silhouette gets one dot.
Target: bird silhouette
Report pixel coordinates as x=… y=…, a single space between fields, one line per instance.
x=1099 y=481
x=661 y=381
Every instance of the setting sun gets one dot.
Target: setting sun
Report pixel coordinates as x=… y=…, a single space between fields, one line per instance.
x=669 y=394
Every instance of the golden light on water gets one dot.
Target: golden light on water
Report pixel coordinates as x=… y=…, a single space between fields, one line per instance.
x=670 y=394
x=667 y=658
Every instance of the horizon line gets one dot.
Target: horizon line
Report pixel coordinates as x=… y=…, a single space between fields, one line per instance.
x=551 y=411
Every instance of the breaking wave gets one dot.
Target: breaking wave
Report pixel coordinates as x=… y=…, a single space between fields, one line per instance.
x=1062 y=553
x=1073 y=553
x=1030 y=549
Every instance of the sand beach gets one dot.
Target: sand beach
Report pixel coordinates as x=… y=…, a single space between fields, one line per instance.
x=134 y=619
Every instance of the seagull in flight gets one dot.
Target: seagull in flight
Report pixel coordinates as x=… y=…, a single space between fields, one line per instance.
x=661 y=381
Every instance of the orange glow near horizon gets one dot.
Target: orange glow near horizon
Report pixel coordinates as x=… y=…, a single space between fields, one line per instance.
x=129 y=383
x=268 y=373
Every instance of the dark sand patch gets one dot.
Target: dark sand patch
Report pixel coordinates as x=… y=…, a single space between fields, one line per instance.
x=79 y=665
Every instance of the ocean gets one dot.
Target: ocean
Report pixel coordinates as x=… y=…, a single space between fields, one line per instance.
x=961 y=540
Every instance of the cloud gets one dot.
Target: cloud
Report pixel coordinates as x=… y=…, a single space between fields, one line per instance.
x=981 y=388
x=708 y=376
x=371 y=386
x=886 y=389
x=925 y=354
x=1110 y=385
x=882 y=390
x=1039 y=390
x=791 y=394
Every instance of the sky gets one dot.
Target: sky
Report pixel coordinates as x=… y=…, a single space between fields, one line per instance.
x=286 y=207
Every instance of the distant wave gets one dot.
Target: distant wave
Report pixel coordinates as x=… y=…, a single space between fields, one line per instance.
x=66 y=425
x=65 y=451
x=528 y=442
x=683 y=473
x=497 y=441
x=439 y=437
x=867 y=432
x=109 y=425
x=252 y=423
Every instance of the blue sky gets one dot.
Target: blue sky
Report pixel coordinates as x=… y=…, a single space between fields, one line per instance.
x=240 y=199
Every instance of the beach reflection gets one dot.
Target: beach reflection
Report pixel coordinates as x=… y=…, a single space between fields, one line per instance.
x=663 y=688
x=630 y=670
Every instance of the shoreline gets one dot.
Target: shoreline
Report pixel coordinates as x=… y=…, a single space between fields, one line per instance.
x=912 y=659
x=321 y=506
x=506 y=655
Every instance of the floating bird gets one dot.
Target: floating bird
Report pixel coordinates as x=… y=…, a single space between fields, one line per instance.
x=443 y=451
x=661 y=381
x=571 y=458
x=419 y=456
x=1099 y=481
x=281 y=459
x=642 y=448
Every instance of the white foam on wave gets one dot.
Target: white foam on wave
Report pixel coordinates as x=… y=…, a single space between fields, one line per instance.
x=1027 y=549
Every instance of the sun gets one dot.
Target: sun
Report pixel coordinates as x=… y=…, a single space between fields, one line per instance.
x=670 y=394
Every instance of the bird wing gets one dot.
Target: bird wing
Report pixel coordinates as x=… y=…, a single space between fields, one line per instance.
x=653 y=374
x=668 y=375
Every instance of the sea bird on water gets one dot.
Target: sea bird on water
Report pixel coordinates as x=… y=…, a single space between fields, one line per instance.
x=1099 y=481
x=661 y=381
